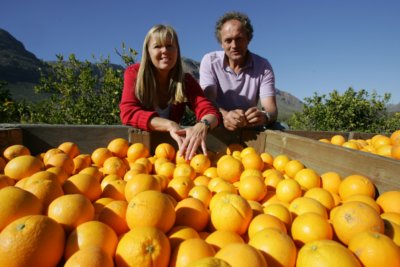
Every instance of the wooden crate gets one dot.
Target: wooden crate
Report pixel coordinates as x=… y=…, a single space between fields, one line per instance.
x=314 y=154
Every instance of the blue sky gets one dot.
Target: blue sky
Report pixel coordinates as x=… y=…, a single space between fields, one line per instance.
x=313 y=45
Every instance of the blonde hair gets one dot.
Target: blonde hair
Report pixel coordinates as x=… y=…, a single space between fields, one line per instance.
x=146 y=84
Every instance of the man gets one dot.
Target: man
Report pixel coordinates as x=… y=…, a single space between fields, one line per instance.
x=236 y=79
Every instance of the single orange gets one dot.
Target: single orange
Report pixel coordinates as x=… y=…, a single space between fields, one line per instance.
x=165 y=150
x=99 y=155
x=356 y=184
x=190 y=250
x=178 y=234
x=310 y=226
x=389 y=201
x=92 y=256
x=23 y=166
x=338 y=140
x=331 y=181
x=84 y=184
x=280 y=162
x=114 y=165
x=119 y=147
x=287 y=190
x=253 y=161
x=200 y=163
x=70 y=148
x=292 y=167
x=229 y=168
x=263 y=221
x=14 y=151
x=308 y=178
x=220 y=238
x=113 y=214
x=193 y=213
x=179 y=187
x=241 y=255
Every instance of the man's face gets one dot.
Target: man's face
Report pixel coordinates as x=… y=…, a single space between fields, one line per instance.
x=234 y=41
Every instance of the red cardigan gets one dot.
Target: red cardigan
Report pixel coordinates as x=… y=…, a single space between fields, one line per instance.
x=133 y=113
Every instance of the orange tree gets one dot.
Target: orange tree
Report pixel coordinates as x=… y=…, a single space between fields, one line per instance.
x=350 y=111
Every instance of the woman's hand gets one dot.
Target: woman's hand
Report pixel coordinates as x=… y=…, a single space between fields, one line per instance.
x=192 y=137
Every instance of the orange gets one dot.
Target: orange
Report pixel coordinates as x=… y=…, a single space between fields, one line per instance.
x=61 y=160
x=211 y=172
x=247 y=150
x=115 y=190
x=80 y=163
x=225 y=186
x=365 y=199
x=214 y=182
x=202 y=193
x=331 y=181
x=135 y=168
x=14 y=151
x=327 y=253
x=354 y=217
x=389 y=201
x=309 y=227
x=162 y=180
x=251 y=172
x=324 y=140
x=94 y=171
x=146 y=162
x=101 y=203
x=180 y=233
x=209 y=262
x=215 y=198
x=16 y=203
x=263 y=221
x=241 y=255
x=253 y=161
x=33 y=240
x=308 y=178
x=380 y=140
x=44 y=189
x=118 y=147
x=179 y=187
x=375 y=249
x=233 y=147
x=70 y=148
x=303 y=205
x=276 y=246
x=190 y=250
x=256 y=207
x=165 y=150
x=323 y=196
x=193 y=213
x=114 y=165
x=395 y=152
x=391 y=216
x=5 y=181
x=280 y=162
x=268 y=159
x=99 y=155
x=354 y=185
x=233 y=209
x=166 y=169
x=351 y=145
x=394 y=137
x=392 y=230
x=200 y=163
x=281 y=212
x=143 y=246
x=252 y=188
x=137 y=150
x=84 y=184
x=229 y=168
x=287 y=190
x=220 y=238
x=272 y=178
x=51 y=152
x=384 y=150
x=180 y=158
x=158 y=162
x=92 y=233
x=184 y=169
x=338 y=140
x=91 y=257
x=71 y=210
x=151 y=208
x=60 y=174
x=113 y=214
x=23 y=166
x=292 y=167
x=107 y=179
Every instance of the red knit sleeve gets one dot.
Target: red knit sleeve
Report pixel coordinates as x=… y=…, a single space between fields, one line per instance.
x=132 y=112
x=198 y=102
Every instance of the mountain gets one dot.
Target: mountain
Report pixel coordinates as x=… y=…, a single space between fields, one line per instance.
x=16 y=63
x=20 y=69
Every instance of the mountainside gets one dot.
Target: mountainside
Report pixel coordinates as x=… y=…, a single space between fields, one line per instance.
x=20 y=69
x=16 y=63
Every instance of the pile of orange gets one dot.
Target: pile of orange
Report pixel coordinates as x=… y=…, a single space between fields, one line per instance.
x=379 y=144
x=124 y=205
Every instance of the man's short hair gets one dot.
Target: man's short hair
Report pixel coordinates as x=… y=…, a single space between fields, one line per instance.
x=243 y=18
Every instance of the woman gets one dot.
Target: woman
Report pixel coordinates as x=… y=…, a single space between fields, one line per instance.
x=156 y=92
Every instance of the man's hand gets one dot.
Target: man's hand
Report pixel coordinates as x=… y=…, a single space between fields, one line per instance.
x=234 y=119
x=255 y=117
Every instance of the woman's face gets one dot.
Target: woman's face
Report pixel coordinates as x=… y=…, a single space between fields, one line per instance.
x=163 y=56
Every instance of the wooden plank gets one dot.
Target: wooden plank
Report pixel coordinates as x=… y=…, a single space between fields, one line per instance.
x=8 y=137
x=326 y=157
x=316 y=135
x=41 y=137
